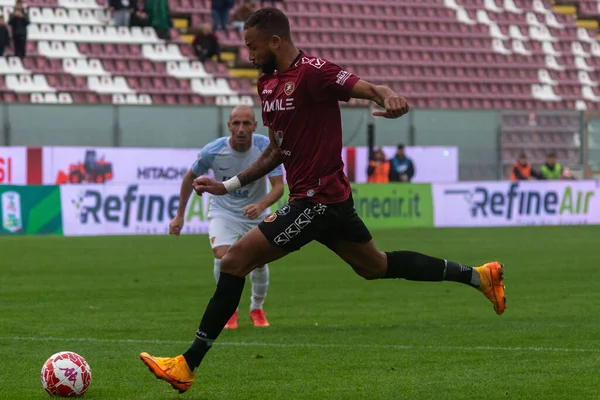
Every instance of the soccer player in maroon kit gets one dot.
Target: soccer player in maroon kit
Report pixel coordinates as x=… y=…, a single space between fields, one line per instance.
x=300 y=95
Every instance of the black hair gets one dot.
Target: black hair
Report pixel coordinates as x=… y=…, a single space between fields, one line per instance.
x=401 y=146
x=270 y=21
x=552 y=155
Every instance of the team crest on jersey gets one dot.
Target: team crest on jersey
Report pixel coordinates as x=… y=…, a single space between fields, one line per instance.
x=289 y=88
x=271 y=217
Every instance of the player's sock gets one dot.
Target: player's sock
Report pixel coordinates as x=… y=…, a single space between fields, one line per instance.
x=420 y=267
x=220 y=308
x=217 y=269
x=260 y=283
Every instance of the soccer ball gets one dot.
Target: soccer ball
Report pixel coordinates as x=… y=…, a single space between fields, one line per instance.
x=66 y=374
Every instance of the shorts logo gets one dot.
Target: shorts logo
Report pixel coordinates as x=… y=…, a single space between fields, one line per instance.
x=281 y=239
x=212 y=240
x=302 y=221
x=289 y=88
x=285 y=210
x=271 y=217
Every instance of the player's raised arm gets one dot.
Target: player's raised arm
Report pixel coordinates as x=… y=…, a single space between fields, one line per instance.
x=267 y=162
x=395 y=106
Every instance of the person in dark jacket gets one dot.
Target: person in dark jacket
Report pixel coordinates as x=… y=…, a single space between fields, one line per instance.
x=139 y=18
x=4 y=36
x=121 y=10
x=220 y=13
x=402 y=168
x=206 y=45
x=19 y=21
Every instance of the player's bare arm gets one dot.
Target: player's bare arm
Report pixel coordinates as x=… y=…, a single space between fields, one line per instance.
x=268 y=160
x=254 y=210
x=185 y=191
x=395 y=106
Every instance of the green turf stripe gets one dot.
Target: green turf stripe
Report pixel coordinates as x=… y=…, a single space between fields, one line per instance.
x=44 y=211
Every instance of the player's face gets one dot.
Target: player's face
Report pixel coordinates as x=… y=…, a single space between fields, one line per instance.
x=241 y=125
x=262 y=49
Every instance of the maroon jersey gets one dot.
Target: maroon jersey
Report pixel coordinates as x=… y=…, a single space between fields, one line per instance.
x=301 y=106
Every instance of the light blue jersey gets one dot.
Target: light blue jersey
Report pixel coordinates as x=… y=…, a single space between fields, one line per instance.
x=226 y=163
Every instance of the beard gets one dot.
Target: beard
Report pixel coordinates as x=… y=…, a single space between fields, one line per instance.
x=270 y=63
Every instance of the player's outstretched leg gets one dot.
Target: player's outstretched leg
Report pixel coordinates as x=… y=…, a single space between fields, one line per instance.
x=260 y=284
x=251 y=250
x=232 y=323
x=371 y=263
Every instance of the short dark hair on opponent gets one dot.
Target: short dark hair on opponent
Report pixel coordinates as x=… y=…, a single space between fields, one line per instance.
x=271 y=21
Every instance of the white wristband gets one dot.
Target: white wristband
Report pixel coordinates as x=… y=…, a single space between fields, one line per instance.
x=232 y=184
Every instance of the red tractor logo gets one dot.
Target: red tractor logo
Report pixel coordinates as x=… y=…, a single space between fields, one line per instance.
x=91 y=170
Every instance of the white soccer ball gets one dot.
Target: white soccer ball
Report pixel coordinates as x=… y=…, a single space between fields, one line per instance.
x=66 y=374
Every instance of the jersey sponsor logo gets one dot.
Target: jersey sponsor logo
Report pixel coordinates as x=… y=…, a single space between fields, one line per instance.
x=279 y=105
x=289 y=88
x=310 y=193
x=271 y=217
x=287 y=153
x=267 y=91
x=301 y=222
x=342 y=77
x=224 y=169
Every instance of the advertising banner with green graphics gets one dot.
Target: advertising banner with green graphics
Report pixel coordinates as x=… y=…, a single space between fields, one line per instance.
x=389 y=205
x=30 y=210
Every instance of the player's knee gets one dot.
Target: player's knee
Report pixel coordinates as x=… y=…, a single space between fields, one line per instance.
x=219 y=251
x=233 y=263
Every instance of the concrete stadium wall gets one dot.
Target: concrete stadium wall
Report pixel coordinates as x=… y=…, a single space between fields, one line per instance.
x=474 y=132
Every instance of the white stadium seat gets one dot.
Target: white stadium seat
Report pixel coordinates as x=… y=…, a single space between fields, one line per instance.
x=186 y=69
x=28 y=84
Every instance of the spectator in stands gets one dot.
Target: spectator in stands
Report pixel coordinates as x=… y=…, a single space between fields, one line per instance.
x=523 y=171
x=220 y=13
x=19 y=21
x=139 y=17
x=402 y=169
x=551 y=170
x=206 y=45
x=121 y=10
x=242 y=13
x=379 y=168
x=4 y=36
x=159 y=14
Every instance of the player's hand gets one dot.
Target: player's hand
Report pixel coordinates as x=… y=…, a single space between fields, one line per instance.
x=176 y=226
x=204 y=184
x=395 y=107
x=252 y=211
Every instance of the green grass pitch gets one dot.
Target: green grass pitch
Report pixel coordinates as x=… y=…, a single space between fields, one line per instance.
x=333 y=335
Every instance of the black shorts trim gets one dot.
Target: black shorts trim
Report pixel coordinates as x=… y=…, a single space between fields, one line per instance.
x=301 y=221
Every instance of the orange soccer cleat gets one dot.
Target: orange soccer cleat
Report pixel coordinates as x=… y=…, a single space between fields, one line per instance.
x=173 y=370
x=258 y=318
x=233 y=321
x=491 y=284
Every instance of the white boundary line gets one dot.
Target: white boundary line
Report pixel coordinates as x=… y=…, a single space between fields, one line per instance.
x=306 y=345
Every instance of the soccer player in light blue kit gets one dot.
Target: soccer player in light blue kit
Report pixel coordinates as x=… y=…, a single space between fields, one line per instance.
x=231 y=216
